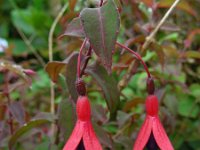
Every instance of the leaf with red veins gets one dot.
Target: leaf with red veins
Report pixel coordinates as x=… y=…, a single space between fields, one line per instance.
x=160 y=136
x=144 y=134
x=101 y=26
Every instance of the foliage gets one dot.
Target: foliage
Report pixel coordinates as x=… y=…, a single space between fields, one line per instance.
x=116 y=93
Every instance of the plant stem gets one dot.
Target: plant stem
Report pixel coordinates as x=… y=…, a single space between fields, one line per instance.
x=101 y=3
x=31 y=48
x=7 y=94
x=88 y=56
x=79 y=59
x=50 y=45
x=138 y=57
x=153 y=33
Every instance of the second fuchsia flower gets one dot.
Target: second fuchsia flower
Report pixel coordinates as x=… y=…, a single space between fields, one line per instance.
x=152 y=125
x=83 y=133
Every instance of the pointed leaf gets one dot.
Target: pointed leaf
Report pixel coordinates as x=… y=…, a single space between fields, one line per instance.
x=54 y=69
x=183 y=5
x=101 y=27
x=74 y=28
x=108 y=85
x=71 y=74
x=66 y=117
x=24 y=129
x=17 y=111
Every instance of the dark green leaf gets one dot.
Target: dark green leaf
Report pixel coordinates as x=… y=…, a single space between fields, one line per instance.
x=74 y=29
x=24 y=129
x=66 y=117
x=108 y=85
x=54 y=69
x=101 y=27
x=17 y=111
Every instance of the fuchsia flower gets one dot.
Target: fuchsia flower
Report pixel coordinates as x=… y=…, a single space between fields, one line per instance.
x=83 y=133
x=152 y=125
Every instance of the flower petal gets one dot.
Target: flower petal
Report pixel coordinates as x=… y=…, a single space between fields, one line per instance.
x=144 y=134
x=160 y=136
x=75 y=137
x=90 y=139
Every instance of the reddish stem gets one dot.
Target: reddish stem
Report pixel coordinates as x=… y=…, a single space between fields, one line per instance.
x=138 y=57
x=79 y=59
x=7 y=94
x=101 y=3
x=88 y=56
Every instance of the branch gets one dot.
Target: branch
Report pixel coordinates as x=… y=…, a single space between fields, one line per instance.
x=149 y=39
x=50 y=45
x=31 y=48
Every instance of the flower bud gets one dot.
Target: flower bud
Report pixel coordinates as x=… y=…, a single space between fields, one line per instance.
x=80 y=87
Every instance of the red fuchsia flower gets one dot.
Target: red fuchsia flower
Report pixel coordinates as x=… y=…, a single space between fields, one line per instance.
x=83 y=134
x=152 y=127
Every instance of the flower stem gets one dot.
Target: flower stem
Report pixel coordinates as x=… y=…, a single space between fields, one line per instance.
x=79 y=59
x=138 y=57
x=153 y=33
x=88 y=56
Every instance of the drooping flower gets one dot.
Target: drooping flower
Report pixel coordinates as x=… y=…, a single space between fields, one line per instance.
x=152 y=127
x=83 y=134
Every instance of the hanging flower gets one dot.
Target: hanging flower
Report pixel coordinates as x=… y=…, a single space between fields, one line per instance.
x=83 y=135
x=152 y=127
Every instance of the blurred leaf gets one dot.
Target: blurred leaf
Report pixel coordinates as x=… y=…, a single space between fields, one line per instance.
x=101 y=26
x=17 y=110
x=74 y=28
x=187 y=107
x=122 y=118
x=184 y=5
x=171 y=102
x=104 y=138
x=192 y=54
x=159 y=51
x=24 y=129
x=54 y=69
x=99 y=113
x=16 y=69
x=133 y=103
x=71 y=74
x=170 y=37
x=72 y=4
x=190 y=37
x=149 y=3
x=195 y=90
x=66 y=117
x=108 y=85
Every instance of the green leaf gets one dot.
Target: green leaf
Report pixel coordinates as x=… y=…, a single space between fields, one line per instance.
x=187 y=107
x=54 y=68
x=108 y=85
x=71 y=74
x=101 y=26
x=66 y=117
x=74 y=28
x=27 y=127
